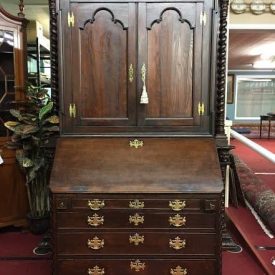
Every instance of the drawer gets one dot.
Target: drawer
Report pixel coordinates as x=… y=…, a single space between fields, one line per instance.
x=97 y=203
x=136 y=243
x=137 y=266
x=128 y=219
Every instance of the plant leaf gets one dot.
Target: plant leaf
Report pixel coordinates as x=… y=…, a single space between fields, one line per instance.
x=44 y=110
x=53 y=119
x=27 y=162
x=11 y=125
x=16 y=113
x=51 y=129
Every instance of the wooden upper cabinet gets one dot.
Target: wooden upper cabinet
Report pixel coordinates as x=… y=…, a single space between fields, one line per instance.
x=170 y=46
x=113 y=53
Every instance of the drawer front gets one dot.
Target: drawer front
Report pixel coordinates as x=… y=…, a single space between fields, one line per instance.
x=136 y=266
x=96 y=203
x=136 y=243
x=134 y=219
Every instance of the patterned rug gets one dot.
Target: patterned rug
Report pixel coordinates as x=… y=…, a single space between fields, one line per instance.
x=258 y=194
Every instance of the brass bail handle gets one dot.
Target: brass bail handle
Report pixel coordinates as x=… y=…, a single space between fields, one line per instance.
x=144 y=95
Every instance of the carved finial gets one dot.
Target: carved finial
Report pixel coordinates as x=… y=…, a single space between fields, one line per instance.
x=21 y=9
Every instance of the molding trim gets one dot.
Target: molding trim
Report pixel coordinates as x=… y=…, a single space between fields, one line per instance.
x=251 y=26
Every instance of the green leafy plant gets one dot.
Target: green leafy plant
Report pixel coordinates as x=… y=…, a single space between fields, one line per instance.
x=32 y=129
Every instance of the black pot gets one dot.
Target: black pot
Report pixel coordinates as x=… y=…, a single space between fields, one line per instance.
x=38 y=225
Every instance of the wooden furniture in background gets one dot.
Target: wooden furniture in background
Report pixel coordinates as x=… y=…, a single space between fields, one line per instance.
x=13 y=199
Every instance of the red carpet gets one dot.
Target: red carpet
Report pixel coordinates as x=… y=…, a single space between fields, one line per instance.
x=255 y=161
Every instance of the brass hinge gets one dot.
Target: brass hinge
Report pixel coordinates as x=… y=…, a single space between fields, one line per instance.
x=72 y=110
x=201 y=108
x=70 y=19
x=203 y=18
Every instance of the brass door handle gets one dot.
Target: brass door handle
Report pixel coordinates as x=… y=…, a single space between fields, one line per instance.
x=136 y=239
x=95 y=243
x=136 y=219
x=177 y=205
x=178 y=271
x=95 y=220
x=177 y=220
x=144 y=96
x=96 y=204
x=136 y=204
x=177 y=243
x=96 y=271
x=137 y=265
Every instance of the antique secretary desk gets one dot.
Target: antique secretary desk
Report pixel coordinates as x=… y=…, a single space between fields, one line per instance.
x=136 y=182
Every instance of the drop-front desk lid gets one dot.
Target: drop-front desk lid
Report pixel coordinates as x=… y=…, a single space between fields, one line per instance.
x=111 y=165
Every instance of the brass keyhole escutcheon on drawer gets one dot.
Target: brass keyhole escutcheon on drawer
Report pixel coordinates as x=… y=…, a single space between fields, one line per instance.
x=95 y=243
x=95 y=220
x=178 y=271
x=177 y=205
x=137 y=265
x=96 y=204
x=96 y=271
x=136 y=239
x=177 y=243
x=177 y=220
x=136 y=204
x=136 y=219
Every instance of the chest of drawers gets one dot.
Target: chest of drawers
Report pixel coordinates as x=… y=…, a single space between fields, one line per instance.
x=109 y=219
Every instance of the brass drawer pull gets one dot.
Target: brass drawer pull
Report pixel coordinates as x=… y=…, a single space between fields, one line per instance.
x=136 y=204
x=177 y=220
x=95 y=220
x=96 y=204
x=178 y=271
x=96 y=271
x=95 y=243
x=136 y=239
x=177 y=205
x=137 y=265
x=136 y=219
x=177 y=243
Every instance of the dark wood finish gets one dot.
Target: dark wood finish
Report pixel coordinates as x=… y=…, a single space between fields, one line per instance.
x=165 y=37
x=157 y=172
x=13 y=197
x=94 y=167
x=122 y=266
x=109 y=170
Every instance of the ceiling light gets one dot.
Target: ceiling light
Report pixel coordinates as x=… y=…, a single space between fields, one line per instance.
x=264 y=64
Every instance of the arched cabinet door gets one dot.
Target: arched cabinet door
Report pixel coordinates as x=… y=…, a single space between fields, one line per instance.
x=170 y=48
x=99 y=48
x=135 y=67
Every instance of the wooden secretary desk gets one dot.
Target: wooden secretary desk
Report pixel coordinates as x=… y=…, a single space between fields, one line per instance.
x=136 y=183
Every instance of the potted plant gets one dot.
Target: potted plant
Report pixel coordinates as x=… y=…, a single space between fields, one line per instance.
x=32 y=129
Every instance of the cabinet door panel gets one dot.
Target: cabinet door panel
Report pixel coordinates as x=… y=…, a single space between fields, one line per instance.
x=171 y=49
x=102 y=50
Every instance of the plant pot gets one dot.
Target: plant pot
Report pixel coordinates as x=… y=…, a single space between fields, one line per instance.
x=38 y=225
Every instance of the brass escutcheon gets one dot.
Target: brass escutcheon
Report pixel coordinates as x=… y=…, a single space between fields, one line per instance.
x=96 y=204
x=177 y=220
x=136 y=204
x=95 y=243
x=136 y=219
x=178 y=271
x=136 y=239
x=137 y=265
x=95 y=220
x=177 y=205
x=177 y=243
x=136 y=143
x=96 y=271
